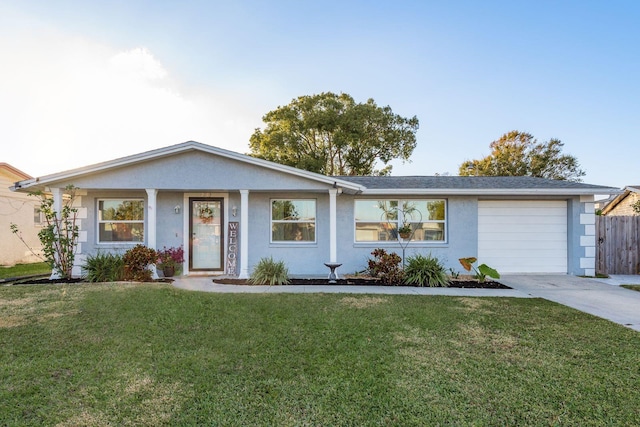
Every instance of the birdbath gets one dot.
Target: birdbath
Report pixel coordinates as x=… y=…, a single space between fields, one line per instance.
x=332 y=274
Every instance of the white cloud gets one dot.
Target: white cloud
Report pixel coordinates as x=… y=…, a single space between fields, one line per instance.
x=67 y=102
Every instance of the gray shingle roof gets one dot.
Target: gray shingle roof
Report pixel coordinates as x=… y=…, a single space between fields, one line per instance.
x=468 y=183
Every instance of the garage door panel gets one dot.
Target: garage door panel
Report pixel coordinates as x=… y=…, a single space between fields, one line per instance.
x=523 y=236
x=516 y=266
x=516 y=245
x=523 y=204
x=505 y=227
x=550 y=212
x=528 y=255
x=524 y=221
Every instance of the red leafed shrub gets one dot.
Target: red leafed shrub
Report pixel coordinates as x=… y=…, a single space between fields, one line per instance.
x=386 y=267
x=137 y=261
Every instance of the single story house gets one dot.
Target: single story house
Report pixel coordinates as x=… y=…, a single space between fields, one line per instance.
x=22 y=210
x=621 y=204
x=229 y=210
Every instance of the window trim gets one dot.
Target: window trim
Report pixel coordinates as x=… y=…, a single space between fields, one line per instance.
x=400 y=202
x=40 y=222
x=293 y=242
x=121 y=242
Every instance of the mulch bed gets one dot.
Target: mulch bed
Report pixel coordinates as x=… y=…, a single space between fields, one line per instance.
x=59 y=281
x=359 y=281
x=455 y=283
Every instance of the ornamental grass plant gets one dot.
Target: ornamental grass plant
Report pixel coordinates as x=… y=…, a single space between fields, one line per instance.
x=269 y=272
x=425 y=271
x=104 y=267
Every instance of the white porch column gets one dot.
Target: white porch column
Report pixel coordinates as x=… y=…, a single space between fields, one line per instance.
x=244 y=234
x=56 y=195
x=152 y=224
x=333 y=229
x=151 y=217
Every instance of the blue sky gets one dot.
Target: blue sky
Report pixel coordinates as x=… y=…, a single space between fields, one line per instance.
x=83 y=82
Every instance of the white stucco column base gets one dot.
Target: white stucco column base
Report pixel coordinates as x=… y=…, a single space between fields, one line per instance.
x=588 y=238
x=244 y=234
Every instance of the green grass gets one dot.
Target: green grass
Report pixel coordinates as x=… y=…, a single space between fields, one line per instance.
x=24 y=270
x=114 y=354
x=632 y=287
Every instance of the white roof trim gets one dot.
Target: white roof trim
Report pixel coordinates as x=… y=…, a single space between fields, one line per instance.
x=181 y=148
x=485 y=192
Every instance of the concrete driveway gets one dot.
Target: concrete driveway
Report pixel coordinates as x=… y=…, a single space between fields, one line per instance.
x=599 y=297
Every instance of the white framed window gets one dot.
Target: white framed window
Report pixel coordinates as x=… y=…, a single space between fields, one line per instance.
x=38 y=217
x=293 y=220
x=380 y=220
x=120 y=220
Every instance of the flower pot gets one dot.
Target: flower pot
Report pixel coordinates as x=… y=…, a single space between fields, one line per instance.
x=405 y=235
x=169 y=270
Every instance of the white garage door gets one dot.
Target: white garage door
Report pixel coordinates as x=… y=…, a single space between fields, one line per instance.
x=523 y=236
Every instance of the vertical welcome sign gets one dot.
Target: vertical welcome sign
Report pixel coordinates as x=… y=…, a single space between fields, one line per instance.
x=232 y=248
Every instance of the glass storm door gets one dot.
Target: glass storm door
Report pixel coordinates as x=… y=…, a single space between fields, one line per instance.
x=207 y=240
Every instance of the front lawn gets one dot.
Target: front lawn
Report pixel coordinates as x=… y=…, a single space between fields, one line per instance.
x=19 y=270
x=632 y=287
x=150 y=354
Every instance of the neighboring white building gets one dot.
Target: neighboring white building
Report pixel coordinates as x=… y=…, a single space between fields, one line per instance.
x=22 y=210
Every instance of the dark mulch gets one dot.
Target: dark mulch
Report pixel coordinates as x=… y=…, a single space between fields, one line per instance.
x=488 y=284
x=41 y=281
x=370 y=282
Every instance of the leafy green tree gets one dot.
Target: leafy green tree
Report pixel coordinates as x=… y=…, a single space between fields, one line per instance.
x=520 y=154
x=59 y=236
x=331 y=134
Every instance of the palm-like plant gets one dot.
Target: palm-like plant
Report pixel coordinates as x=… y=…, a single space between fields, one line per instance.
x=269 y=272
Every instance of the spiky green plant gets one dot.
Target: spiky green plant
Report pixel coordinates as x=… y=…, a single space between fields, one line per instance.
x=104 y=267
x=425 y=271
x=269 y=272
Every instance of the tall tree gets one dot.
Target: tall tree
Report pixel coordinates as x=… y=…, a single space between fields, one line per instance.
x=520 y=154
x=333 y=135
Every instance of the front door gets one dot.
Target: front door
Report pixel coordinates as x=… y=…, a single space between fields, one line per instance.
x=206 y=246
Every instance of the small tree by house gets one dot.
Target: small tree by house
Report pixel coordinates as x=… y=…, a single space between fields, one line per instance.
x=59 y=236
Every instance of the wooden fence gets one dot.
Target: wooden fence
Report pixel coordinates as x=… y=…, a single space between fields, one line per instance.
x=617 y=240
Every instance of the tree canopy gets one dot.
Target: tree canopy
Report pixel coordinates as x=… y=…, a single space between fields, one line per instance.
x=331 y=134
x=520 y=154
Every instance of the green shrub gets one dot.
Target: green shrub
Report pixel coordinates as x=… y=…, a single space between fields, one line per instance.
x=425 y=271
x=269 y=272
x=104 y=267
x=137 y=261
x=386 y=267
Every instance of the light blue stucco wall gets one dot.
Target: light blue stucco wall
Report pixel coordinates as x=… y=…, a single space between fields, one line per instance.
x=194 y=171
x=462 y=231
x=574 y=208
x=309 y=258
x=301 y=258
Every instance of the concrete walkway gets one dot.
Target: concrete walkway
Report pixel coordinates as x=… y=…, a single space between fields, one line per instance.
x=205 y=284
x=599 y=297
